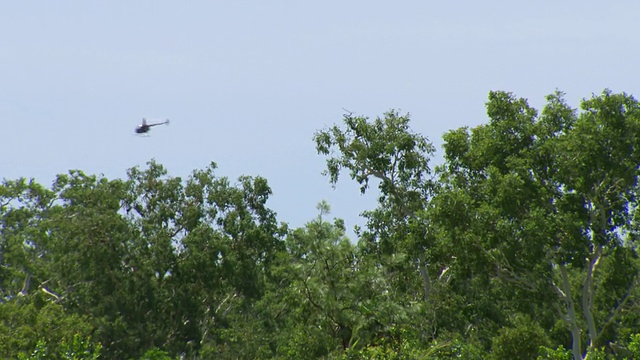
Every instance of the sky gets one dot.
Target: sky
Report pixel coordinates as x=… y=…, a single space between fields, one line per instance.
x=246 y=84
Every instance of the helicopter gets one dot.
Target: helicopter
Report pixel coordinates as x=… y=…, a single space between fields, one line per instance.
x=144 y=127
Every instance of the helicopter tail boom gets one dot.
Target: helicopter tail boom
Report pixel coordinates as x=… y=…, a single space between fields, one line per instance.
x=166 y=122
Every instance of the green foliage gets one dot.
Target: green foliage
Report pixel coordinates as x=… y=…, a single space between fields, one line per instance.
x=78 y=349
x=40 y=353
x=521 y=244
x=26 y=322
x=458 y=349
x=384 y=148
x=634 y=346
x=155 y=354
x=522 y=340
x=558 y=354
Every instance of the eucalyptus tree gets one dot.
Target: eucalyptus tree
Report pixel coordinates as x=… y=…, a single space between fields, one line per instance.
x=34 y=305
x=405 y=235
x=23 y=207
x=529 y=213
x=385 y=151
x=548 y=199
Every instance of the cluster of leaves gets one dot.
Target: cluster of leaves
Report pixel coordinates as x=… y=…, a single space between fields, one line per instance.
x=522 y=244
x=78 y=349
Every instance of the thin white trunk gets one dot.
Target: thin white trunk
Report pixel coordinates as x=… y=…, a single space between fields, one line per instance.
x=588 y=295
x=25 y=286
x=426 y=280
x=571 y=315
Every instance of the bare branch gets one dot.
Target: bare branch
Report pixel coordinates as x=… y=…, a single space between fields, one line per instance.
x=25 y=286
x=559 y=291
x=50 y=293
x=348 y=112
x=615 y=313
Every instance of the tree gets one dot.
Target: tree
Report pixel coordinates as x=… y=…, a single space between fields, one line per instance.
x=523 y=243
x=207 y=246
x=551 y=197
x=22 y=207
x=400 y=237
x=143 y=260
x=386 y=150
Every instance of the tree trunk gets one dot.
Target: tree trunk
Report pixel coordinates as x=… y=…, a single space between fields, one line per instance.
x=571 y=315
x=426 y=280
x=588 y=294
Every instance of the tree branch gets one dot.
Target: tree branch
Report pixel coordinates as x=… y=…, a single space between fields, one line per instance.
x=393 y=191
x=309 y=297
x=25 y=286
x=615 y=313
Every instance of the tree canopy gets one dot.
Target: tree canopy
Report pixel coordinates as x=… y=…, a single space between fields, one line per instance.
x=521 y=244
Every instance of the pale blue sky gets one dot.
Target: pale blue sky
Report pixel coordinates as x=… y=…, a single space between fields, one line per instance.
x=247 y=83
